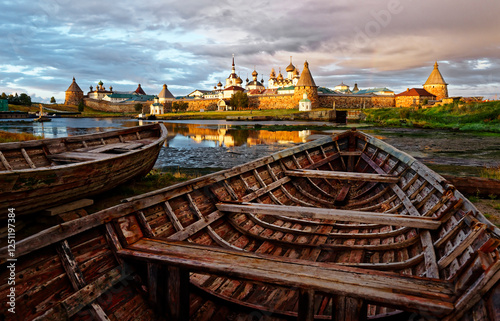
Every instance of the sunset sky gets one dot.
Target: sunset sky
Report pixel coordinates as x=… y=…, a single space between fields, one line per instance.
x=189 y=44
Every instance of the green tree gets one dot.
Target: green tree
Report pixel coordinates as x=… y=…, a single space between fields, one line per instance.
x=4 y=96
x=180 y=106
x=239 y=100
x=138 y=107
x=52 y=100
x=81 y=106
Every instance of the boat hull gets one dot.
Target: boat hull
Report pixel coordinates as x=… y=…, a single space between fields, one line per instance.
x=35 y=189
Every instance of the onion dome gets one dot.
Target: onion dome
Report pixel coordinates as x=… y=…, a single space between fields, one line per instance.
x=290 y=67
x=255 y=73
x=219 y=84
x=239 y=81
x=273 y=74
x=100 y=83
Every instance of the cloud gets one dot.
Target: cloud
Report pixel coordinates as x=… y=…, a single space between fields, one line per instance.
x=188 y=44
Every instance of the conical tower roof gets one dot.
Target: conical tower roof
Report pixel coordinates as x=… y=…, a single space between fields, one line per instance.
x=139 y=90
x=74 y=87
x=165 y=93
x=435 y=78
x=306 y=78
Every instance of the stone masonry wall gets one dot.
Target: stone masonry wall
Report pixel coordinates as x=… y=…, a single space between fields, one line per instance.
x=355 y=102
x=107 y=106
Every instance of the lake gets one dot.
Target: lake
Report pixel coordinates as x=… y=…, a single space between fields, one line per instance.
x=218 y=144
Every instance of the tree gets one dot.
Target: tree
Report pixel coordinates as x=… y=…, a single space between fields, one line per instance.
x=52 y=100
x=4 y=96
x=180 y=106
x=138 y=107
x=239 y=100
x=81 y=106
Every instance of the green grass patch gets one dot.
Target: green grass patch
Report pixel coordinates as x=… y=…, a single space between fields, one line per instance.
x=476 y=117
x=491 y=172
x=276 y=113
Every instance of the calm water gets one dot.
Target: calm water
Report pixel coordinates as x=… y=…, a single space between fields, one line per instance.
x=222 y=144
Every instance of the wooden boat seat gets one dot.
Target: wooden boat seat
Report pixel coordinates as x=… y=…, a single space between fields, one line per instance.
x=432 y=297
x=104 y=148
x=72 y=157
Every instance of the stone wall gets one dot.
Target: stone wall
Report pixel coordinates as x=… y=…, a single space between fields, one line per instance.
x=411 y=101
x=440 y=91
x=287 y=101
x=107 y=106
x=73 y=98
x=355 y=101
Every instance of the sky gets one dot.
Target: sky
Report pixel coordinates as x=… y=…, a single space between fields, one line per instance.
x=189 y=44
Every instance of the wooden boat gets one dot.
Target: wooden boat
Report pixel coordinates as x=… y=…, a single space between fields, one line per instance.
x=342 y=228
x=38 y=174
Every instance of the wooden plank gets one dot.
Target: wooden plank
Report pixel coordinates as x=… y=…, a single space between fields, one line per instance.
x=144 y=224
x=266 y=189
x=342 y=195
x=431 y=267
x=5 y=162
x=332 y=214
x=476 y=231
x=348 y=309
x=399 y=291
x=343 y=175
x=27 y=158
x=197 y=226
x=177 y=298
x=173 y=218
x=84 y=202
x=70 y=306
x=76 y=278
x=80 y=156
x=306 y=305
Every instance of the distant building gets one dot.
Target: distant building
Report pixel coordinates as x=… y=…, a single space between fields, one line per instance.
x=4 y=105
x=292 y=77
x=74 y=95
x=436 y=85
x=306 y=85
x=156 y=108
x=100 y=91
x=165 y=96
x=343 y=88
x=381 y=91
x=139 y=90
x=254 y=84
x=413 y=97
x=305 y=104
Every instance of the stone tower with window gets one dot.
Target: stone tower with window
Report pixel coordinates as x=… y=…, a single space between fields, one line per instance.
x=74 y=95
x=436 y=85
x=306 y=85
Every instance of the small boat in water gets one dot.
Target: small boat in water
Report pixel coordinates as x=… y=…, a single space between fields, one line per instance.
x=38 y=174
x=342 y=228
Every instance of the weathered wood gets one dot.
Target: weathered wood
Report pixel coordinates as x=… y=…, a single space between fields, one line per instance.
x=148 y=232
x=173 y=218
x=5 y=162
x=476 y=231
x=331 y=214
x=344 y=176
x=77 y=301
x=27 y=158
x=197 y=226
x=177 y=298
x=342 y=195
x=419 y=295
x=306 y=305
x=71 y=206
x=431 y=266
x=348 y=309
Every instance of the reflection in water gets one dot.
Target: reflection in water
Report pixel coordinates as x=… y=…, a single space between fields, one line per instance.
x=185 y=135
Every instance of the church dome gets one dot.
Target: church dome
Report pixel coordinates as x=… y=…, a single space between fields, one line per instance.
x=255 y=73
x=239 y=81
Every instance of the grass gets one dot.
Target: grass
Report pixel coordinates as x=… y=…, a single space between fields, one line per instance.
x=6 y=137
x=483 y=117
x=88 y=112
x=491 y=172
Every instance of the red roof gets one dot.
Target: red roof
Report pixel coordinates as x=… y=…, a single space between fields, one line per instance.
x=235 y=88
x=415 y=92
x=139 y=90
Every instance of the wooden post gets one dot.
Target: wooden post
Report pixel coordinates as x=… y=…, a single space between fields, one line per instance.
x=306 y=305
x=173 y=292
x=348 y=309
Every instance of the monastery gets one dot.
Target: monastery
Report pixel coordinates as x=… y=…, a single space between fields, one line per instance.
x=296 y=90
